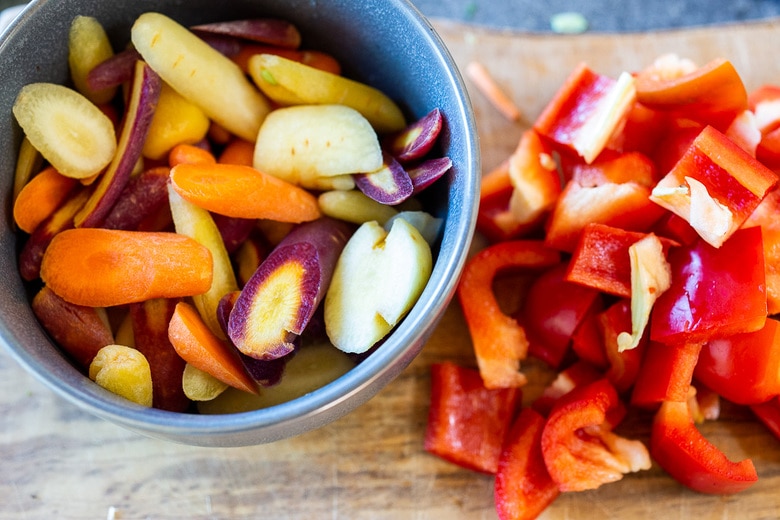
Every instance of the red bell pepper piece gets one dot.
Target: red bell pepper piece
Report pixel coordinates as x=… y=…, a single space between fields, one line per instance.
x=715 y=186
x=467 y=423
x=499 y=340
x=643 y=130
x=623 y=365
x=665 y=374
x=580 y=450
x=601 y=259
x=677 y=138
x=494 y=219
x=550 y=319
x=675 y=228
x=577 y=374
x=764 y=102
x=768 y=413
x=681 y=450
x=743 y=368
x=766 y=217
x=714 y=292
x=626 y=205
x=614 y=167
x=535 y=179
x=523 y=487
x=712 y=94
x=768 y=149
x=587 y=341
x=516 y=195
x=586 y=111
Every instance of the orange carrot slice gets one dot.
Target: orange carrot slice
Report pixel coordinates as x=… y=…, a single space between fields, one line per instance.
x=40 y=197
x=197 y=345
x=104 y=267
x=189 y=154
x=242 y=191
x=317 y=59
x=238 y=151
x=490 y=89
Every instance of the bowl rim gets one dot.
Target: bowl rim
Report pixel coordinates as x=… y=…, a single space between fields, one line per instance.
x=352 y=389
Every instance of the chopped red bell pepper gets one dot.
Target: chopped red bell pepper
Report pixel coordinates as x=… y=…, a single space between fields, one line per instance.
x=467 y=423
x=499 y=340
x=766 y=217
x=676 y=228
x=677 y=138
x=616 y=168
x=495 y=220
x=535 y=179
x=523 y=487
x=643 y=130
x=681 y=450
x=580 y=450
x=743 y=368
x=715 y=186
x=712 y=94
x=623 y=365
x=577 y=374
x=714 y=292
x=665 y=374
x=586 y=111
x=550 y=319
x=587 y=341
x=768 y=149
x=626 y=205
x=764 y=102
x=601 y=259
x=768 y=413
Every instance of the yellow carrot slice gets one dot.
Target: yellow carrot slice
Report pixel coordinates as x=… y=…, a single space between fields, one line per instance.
x=104 y=267
x=242 y=191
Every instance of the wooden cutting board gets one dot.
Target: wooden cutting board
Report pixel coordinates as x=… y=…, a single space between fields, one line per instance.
x=58 y=462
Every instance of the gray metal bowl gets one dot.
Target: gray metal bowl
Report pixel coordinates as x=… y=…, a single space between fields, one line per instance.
x=386 y=43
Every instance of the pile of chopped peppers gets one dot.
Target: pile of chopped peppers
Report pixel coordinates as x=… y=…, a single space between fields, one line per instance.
x=643 y=210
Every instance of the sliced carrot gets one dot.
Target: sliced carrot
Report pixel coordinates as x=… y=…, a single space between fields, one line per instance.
x=40 y=197
x=61 y=219
x=218 y=134
x=490 y=89
x=104 y=267
x=321 y=60
x=197 y=345
x=189 y=154
x=317 y=59
x=238 y=151
x=242 y=191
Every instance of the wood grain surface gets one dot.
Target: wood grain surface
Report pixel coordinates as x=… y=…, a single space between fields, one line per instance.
x=57 y=462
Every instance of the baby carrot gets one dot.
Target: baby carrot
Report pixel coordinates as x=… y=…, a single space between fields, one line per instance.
x=198 y=346
x=242 y=191
x=238 y=151
x=40 y=197
x=321 y=60
x=104 y=267
x=317 y=59
x=189 y=154
x=490 y=89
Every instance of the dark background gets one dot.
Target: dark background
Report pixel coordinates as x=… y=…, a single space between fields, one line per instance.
x=602 y=15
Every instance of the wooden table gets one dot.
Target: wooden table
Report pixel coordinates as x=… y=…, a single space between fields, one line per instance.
x=58 y=462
